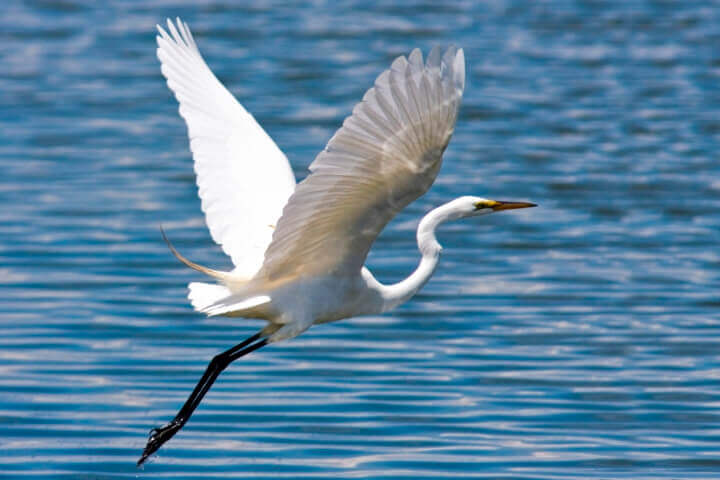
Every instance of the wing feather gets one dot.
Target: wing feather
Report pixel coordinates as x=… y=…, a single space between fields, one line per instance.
x=386 y=154
x=243 y=178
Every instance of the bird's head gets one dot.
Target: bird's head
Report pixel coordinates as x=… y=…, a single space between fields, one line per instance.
x=470 y=206
x=462 y=207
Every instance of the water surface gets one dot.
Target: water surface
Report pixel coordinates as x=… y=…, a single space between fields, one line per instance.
x=575 y=340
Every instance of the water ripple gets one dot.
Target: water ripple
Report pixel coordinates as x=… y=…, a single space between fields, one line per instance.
x=576 y=340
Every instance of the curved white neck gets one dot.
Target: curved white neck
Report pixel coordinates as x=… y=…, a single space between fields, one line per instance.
x=395 y=294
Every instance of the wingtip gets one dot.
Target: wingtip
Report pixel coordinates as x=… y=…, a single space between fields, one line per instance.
x=416 y=57
x=162 y=32
x=433 y=58
x=459 y=69
x=449 y=55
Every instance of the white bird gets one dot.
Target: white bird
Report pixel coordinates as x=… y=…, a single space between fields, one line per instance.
x=299 y=250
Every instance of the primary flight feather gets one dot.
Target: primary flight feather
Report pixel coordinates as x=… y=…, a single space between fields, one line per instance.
x=386 y=155
x=299 y=252
x=244 y=179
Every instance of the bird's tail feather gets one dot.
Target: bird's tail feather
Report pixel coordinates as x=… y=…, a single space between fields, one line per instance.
x=203 y=295
x=238 y=306
x=219 y=300
x=214 y=299
x=223 y=276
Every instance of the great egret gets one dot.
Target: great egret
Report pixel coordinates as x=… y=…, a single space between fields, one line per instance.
x=299 y=250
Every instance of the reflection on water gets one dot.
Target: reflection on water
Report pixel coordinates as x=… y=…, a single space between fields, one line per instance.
x=575 y=339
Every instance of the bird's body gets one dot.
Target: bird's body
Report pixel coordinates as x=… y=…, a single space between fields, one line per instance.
x=299 y=250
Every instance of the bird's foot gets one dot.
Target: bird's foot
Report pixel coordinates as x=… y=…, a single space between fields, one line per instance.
x=158 y=436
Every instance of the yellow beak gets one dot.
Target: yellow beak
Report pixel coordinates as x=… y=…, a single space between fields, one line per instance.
x=502 y=205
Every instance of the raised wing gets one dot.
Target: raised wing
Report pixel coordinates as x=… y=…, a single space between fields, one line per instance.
x=386 y=155
x=244 y=179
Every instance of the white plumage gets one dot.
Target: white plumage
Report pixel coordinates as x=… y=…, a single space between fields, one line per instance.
x=386 y=154
x=299 y=251
x=244 y=179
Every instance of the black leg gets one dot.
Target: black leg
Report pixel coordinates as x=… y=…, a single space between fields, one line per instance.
x=158 y=436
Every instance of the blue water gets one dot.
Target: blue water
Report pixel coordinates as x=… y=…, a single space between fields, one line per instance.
x=576 y=340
